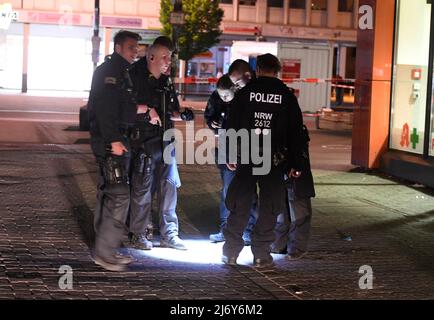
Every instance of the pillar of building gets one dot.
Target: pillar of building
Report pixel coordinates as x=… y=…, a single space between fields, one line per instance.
x=356 y=14
x=373 y=82
x=261 y=11
x=308 y=12
x=342 y=61
x=235 y=10
x=26 y=37
x=332 y=13
x=285 y=11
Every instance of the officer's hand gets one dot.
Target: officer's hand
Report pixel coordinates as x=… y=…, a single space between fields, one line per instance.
x=231 y=166
x=187 y=115
x=142 y=108
x=118 y=148
x=154 y=118
x=216 y=125
x=295 y=174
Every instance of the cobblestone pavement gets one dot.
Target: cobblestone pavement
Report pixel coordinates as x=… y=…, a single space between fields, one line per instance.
x=48 y=194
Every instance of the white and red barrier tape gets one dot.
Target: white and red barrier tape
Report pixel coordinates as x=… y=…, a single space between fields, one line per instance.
x=213 y=80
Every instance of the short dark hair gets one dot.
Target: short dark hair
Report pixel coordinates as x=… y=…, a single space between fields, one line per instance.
x=268 y=63
x=239 y=66
x=165 y=42
x=225 y=83
x=123 y=35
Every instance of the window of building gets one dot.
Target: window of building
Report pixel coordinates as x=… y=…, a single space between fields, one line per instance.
x=247 y=2
x=297 y=4
x=275 y=3
x=319 y=5
x=346 y=5
x=410 y=77
x=11 y=57
x=226 y=1
x=44 y=44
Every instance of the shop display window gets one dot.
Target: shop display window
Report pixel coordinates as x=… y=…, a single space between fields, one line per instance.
x=410 y=76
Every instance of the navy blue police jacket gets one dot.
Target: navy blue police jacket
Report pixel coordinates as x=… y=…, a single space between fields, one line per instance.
x=112 y=106
x=216 y=110
x=149 y=92
x=267 y=105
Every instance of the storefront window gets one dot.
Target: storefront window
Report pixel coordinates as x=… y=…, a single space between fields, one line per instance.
x=192 y=69
x=410 y=76
x=11 y=57
x=60 y=63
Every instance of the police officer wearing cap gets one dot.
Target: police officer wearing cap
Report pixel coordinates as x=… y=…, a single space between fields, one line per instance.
x=158 y=106
x=266 y=108
x=112 y=111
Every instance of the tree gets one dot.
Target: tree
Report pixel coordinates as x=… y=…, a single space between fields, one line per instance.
x=201 y=29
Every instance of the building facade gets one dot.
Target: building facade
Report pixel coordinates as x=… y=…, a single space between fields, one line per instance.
x=40 y=40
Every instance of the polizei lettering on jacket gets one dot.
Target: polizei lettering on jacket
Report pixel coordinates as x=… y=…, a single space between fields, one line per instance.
x=266 y=97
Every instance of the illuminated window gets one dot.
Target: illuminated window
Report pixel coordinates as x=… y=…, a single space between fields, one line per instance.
x=226 y=1
x=275 y=3
x=11 y=57
x=319 y=5
x=410 y=77
x=297 y=4
x=346 y=5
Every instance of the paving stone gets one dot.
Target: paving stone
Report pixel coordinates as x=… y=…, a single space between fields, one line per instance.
x=44 y=222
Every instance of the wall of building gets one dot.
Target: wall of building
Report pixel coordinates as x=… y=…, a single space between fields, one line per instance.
x=238 y=19
x=75 y=17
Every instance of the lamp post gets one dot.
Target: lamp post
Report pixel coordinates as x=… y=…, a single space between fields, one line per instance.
x=177 y=20
x=96 y=40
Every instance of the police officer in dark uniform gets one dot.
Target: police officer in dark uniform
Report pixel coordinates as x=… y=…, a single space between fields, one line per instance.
x=266 y=108
x=215 y=115
x=158 y=106
x=112 y=111
x=293 y=225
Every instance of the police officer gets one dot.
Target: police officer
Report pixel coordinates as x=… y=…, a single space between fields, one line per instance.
x=215 y=115
x=112 y=111
x=158 y=106
x=240 y=73
x=293 y=226
x=267 y=109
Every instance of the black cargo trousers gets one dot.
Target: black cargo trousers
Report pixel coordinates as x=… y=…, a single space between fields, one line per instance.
x=113 y=199
x=151 y=174
x=239 y=201
x=144 y=155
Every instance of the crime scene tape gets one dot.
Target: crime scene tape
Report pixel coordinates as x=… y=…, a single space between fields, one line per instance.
x=333 y=82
